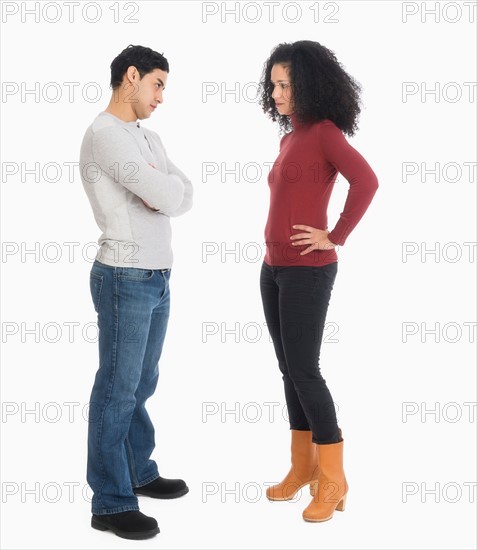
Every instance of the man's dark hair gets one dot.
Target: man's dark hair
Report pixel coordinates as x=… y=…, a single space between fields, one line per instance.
x=144 y=59
x=321 y=88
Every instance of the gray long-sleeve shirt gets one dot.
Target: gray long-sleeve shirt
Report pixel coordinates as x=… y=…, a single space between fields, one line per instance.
x=116 y=175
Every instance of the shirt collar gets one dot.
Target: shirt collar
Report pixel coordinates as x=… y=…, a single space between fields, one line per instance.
x=294 y=120
x=133 y=123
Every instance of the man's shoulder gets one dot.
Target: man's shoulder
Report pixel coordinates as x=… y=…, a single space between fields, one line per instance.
x=102 y=121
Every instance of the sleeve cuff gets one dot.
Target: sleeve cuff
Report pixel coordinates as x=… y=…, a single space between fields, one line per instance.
x=340 y=233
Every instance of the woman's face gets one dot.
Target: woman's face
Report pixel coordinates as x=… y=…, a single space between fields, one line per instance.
x=282 y=94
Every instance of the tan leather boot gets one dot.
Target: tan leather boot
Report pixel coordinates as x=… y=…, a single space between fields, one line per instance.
x=330 y=491
x=304 y=467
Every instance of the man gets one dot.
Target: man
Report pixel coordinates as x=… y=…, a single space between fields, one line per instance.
x=134 y=189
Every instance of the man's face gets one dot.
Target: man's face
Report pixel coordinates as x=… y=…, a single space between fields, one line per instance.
x=145 y=94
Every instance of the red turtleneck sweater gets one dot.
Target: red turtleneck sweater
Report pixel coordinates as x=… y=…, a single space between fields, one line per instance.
x=301 y=181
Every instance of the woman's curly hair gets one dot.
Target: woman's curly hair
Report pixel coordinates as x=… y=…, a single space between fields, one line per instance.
x=321 y=88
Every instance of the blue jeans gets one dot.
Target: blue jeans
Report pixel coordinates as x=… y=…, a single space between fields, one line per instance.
x=133 y=310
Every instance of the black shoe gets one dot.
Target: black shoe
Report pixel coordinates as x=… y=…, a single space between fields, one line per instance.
x=163 y=488
x=128 y=525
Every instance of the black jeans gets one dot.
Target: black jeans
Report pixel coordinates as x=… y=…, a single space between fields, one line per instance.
x=295 y=301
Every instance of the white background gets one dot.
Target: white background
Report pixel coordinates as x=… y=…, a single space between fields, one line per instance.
x=373 y=372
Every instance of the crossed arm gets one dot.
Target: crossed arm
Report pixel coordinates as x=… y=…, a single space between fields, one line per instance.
x=118 y=155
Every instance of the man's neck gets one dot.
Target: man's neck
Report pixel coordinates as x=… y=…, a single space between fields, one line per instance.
x=121 y=110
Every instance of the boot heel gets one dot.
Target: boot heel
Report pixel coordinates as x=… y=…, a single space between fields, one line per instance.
x=341 y=504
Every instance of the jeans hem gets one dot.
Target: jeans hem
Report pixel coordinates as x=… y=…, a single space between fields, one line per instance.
x=117 y=510
x=314 y=440
x=150 y=479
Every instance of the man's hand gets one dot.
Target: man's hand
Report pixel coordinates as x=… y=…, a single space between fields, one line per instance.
x=146 y=203
x=150 y=207
x=317 y=239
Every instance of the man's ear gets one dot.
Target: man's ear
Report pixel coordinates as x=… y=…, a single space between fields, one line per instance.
x=132 y=73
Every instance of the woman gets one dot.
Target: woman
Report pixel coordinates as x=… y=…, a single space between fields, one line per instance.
x=304 y=87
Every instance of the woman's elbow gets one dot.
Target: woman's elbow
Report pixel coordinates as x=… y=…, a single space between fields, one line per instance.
x=373 y=182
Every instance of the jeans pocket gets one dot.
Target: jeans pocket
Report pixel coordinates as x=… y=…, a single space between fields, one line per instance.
x=324 y=276
x=95 y=286
x=135 y=274
x=166 y=275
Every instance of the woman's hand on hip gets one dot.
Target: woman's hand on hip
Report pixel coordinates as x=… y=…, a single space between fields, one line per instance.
x=316 y=239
